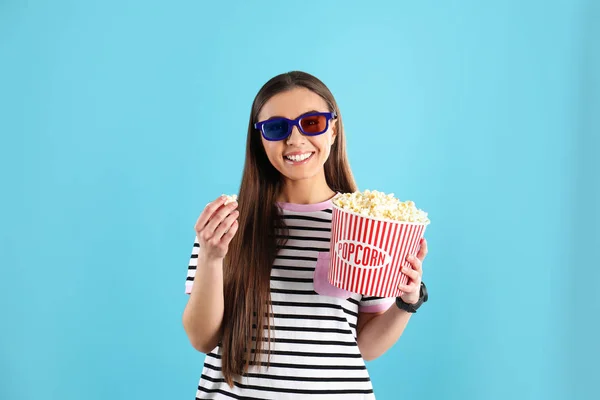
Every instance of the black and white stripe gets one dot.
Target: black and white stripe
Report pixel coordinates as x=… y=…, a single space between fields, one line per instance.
x=314 y=353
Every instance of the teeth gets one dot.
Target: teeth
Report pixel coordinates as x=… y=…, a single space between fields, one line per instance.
x=299 y=157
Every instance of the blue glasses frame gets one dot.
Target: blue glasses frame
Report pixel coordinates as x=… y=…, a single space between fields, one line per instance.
x=295 y=122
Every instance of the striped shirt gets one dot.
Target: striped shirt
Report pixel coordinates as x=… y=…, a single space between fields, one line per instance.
x=314 y=353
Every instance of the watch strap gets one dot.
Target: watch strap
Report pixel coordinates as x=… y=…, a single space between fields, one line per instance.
x=412 y=308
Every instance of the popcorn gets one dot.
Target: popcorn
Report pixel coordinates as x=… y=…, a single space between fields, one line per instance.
x=230 y=198
x=375 y=204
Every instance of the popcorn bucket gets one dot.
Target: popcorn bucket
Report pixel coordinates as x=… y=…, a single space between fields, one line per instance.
x=367 y=254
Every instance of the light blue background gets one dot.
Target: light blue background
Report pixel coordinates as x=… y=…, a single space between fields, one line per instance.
x=120 y=120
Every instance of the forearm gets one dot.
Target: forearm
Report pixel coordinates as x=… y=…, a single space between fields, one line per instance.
x=380 y=333
x=203 y=314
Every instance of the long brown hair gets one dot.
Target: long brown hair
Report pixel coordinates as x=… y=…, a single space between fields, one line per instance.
x=247 y=266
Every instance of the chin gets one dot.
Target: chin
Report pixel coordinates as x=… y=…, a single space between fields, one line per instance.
x=297 y=175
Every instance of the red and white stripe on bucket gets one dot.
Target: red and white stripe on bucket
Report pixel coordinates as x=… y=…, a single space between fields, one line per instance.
x=367 y=254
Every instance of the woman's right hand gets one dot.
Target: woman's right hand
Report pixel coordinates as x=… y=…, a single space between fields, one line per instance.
x=215 y=228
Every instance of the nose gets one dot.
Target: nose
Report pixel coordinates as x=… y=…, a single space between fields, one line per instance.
x=296 y=137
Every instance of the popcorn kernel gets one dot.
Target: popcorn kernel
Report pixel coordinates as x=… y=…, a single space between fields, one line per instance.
x=375 y=204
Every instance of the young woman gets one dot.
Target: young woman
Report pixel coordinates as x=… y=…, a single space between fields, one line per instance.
x=260 y=305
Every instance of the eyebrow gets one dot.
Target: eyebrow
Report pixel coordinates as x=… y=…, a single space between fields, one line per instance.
x=308 y=112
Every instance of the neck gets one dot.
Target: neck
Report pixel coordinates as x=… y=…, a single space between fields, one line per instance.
x=305 y=191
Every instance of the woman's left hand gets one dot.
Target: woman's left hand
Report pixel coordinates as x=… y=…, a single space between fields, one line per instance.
x=412 y=289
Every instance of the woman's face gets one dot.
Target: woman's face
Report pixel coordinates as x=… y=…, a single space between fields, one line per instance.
x=288 y=156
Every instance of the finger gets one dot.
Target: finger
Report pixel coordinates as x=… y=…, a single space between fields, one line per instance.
x=230 y=233
x=410 y=288
x=416 y=263
x=423 y=250
x=226 y=224
x=208 y=212
x=219 y=216
x=411 y=273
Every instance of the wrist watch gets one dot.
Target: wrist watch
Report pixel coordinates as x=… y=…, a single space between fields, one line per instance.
x=412 y=308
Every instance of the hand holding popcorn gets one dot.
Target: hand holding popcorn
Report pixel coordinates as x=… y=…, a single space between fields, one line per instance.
x=412 y=289
x=216 y=227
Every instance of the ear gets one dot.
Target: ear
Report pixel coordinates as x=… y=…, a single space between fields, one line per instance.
x=333 y=131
